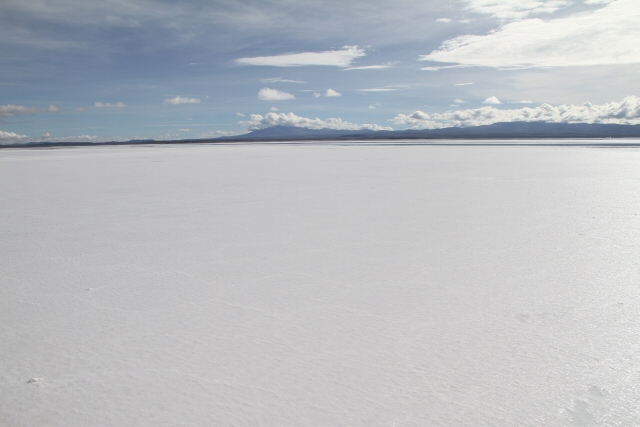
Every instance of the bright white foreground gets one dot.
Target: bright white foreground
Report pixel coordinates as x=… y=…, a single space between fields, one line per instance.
x=320 y=285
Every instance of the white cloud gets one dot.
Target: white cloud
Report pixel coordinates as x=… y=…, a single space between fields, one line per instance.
x=625 y=112
x=280 y=80
x=267 y=94
x=463 y=84
x=218 y=133
x=445 y=20
x=605 y=36
x=442 y=67
x=521 y=102
x=332 y=93
x=9 y=137
x=515 y=9
x=237 y=114
x=181 y=100
x=492 y=100
x=372 y=107
x=335 y=58
x=317 y=94
x=13 y=138
x=117 y=105
x=274 y=108
x=373 y=67
x=184 y=130
x=274 y=119
x=11 y=110
x=378 y=89
x=459 y=101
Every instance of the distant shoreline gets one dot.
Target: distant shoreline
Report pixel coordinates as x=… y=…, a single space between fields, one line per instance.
x=499 y=132
x=461 y=141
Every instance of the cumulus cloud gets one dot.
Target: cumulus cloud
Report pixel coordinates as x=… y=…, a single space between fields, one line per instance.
x=14 y=138
x=514 y=9
x=117 y=105
x=625 y=112
x=605 y=36
x=10 y=136
x=492 y=100
x=11 y=110
x=181 y=100
x=267 y=94
x=332 y=93
x=274 y=119
x=240 y=114
x=336 y=58
x=459 y=101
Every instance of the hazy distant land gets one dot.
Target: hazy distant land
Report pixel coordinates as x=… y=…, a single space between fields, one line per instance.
x=498 y=131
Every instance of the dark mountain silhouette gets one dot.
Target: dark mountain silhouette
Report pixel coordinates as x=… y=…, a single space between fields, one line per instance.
x=496 y=131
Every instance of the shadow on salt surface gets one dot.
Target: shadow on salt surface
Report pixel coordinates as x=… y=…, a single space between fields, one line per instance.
x=587 y=406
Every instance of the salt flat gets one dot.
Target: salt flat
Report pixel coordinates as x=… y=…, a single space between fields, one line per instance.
x=320 y=285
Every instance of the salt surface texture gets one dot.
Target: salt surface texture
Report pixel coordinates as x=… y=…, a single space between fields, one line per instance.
x=320 y=285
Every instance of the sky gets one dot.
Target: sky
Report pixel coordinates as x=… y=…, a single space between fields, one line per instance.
x=156 y=69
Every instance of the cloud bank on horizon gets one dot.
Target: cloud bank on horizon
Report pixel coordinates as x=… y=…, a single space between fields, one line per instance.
x=626 y=112
x=572 y=60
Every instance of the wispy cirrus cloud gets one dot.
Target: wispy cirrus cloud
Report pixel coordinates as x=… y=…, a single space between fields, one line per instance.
x=178 y=100
x=279 y=80
x=334 y=58
x=515 y=9
x=117 y=105
x=11 y=110
x=268 y=94
x=292 y=120
x=625 y=112
x=605 y=36
x=373 y=67
x=378 y=89
x=443 y=67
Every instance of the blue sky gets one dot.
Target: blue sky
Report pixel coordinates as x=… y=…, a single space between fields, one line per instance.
x=122 y=69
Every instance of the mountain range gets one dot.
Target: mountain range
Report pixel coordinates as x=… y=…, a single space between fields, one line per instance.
x=497 y=131
x=515 y=130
